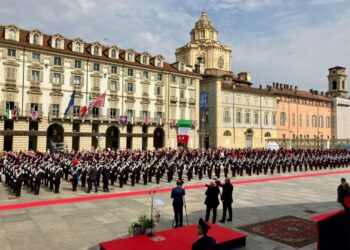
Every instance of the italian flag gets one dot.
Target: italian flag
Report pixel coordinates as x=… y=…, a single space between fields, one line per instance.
x=10 y=113
x=131 y=120
x=84 y=109
x=184 y=130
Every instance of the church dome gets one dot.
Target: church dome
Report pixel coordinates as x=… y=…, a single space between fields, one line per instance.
x=204 y=22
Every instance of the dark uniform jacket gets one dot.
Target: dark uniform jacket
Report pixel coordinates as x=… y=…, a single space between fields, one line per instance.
x=204 y=243
x=212 y=199
x=227 y=190
x=177 y=195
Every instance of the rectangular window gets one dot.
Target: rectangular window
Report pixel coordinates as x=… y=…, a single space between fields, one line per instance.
x=114 y=85
x=327 y=122
x=247 y=118
x=266 y=119
x=130 y=87
x=36 y=57
x=114 y=69
x=173 y=79
x=77 y=64
x=227 y=117
x=77 y=80
x=96 y=67
x=145 y=74
x=34 y=107
x=57 y=78
x=11 y=52
x=158 y=91
x=113 y=113
x=321 y=122
x=256 y=118
x=314 y=121
x=293 y=119
x=57 y=61
x=183 y=80
x=307 y=121
x=35 y=75
x=300 y=120
x=55 y=109
x=130 y=72
x=11 y=73
x=95 y=112
x=239 y=117
x=283 y=119
x=273 y=119
x=130 y=113
x=160 y=77
x=76 y=111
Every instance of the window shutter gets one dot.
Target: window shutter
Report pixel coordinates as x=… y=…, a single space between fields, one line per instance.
x=42 y=58
x=109 y=84
x=62 y=78
x=82 y=81
x=41 y=75
x=29 y=74
x=40 y=108
x=18 y=54
x=71 y=80
x=82 y=65
x=134 y=87
x=51 y=60
x=72 y=62
x=51 y=77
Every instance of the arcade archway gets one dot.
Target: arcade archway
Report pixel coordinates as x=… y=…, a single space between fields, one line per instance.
x=112 y=137
x=158 y=138
x=54 y=138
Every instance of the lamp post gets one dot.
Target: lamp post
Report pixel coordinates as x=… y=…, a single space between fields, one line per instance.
x=203 y=133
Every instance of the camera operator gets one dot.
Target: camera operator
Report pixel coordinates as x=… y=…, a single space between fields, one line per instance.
x=177 y=194
x=226 y=198
x=212 y=201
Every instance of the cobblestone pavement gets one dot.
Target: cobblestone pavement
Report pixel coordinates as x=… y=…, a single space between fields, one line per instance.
x=83 y=225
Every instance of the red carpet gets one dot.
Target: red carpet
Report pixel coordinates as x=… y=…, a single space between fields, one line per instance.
x=159 y=190
x=177 y=239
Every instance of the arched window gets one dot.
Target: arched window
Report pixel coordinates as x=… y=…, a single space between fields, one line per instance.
x=12 y=35
x=202 y=34
x=239 y=117
x=77 y=47
x=36 y=39
x=58 y=43
x=96 y=51
x=267 y=134
x=227 y=133
x=221 y=62
x=334 y=85
x=113 y=53
x=182 y=66
x=129 y=57
x=144 y=59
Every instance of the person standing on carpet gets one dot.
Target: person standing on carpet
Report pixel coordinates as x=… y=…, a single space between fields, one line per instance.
x=341 y=191
x=226 y=198
x=204 y=242
x=178 y=195
x=212 y=201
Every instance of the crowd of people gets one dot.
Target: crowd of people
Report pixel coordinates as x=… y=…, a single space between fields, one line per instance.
x=92 y=168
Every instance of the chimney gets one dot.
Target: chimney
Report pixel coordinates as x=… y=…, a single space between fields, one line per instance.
x=296 y=87
x=260 y=86
x=311 y=91
x=274 y=84
x=277 y=85
x=290 y=87
x=321 y=92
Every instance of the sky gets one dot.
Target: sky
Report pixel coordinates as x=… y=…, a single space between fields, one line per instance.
x=287 y=41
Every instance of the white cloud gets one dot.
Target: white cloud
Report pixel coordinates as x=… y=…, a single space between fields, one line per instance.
x=244 y=5
x=321 y=2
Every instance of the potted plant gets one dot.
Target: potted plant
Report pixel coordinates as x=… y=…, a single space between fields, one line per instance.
x=145 y=222
x=135 y=229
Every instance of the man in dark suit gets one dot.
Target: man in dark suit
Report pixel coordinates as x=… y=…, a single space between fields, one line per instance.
x=226 y=198
x=204 y=242
x=340 y=191
x=212 y=201
x=92 y=178
x=177 y=194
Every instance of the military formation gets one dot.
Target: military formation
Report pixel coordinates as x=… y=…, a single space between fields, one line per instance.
x=93 y=169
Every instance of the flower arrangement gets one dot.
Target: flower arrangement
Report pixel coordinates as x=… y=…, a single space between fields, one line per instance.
x=137 y=228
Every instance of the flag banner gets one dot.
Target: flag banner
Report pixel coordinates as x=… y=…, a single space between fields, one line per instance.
x=159 y=121
x=123 y=119
x=183 y=131
x=145 y=121
x=34 y=115
x=84 y=109
x=100 y=101
x=184 y=123
x=182 y=139
x=131 y=120
x=10 y=113
x=70 y=104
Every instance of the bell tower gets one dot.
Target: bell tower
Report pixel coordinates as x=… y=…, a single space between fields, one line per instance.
x=337 y=82
x=205 y=51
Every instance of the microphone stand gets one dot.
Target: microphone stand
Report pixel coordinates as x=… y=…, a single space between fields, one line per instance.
x=152 y=193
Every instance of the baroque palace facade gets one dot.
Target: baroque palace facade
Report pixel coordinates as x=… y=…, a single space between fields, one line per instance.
x=39 y=72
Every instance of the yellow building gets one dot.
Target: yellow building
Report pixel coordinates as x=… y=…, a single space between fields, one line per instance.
x=38 y=73
x=237 y=115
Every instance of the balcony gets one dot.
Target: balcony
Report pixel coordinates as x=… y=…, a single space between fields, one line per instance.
x=183 y=100
x=28 y=113
x=173 y=98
